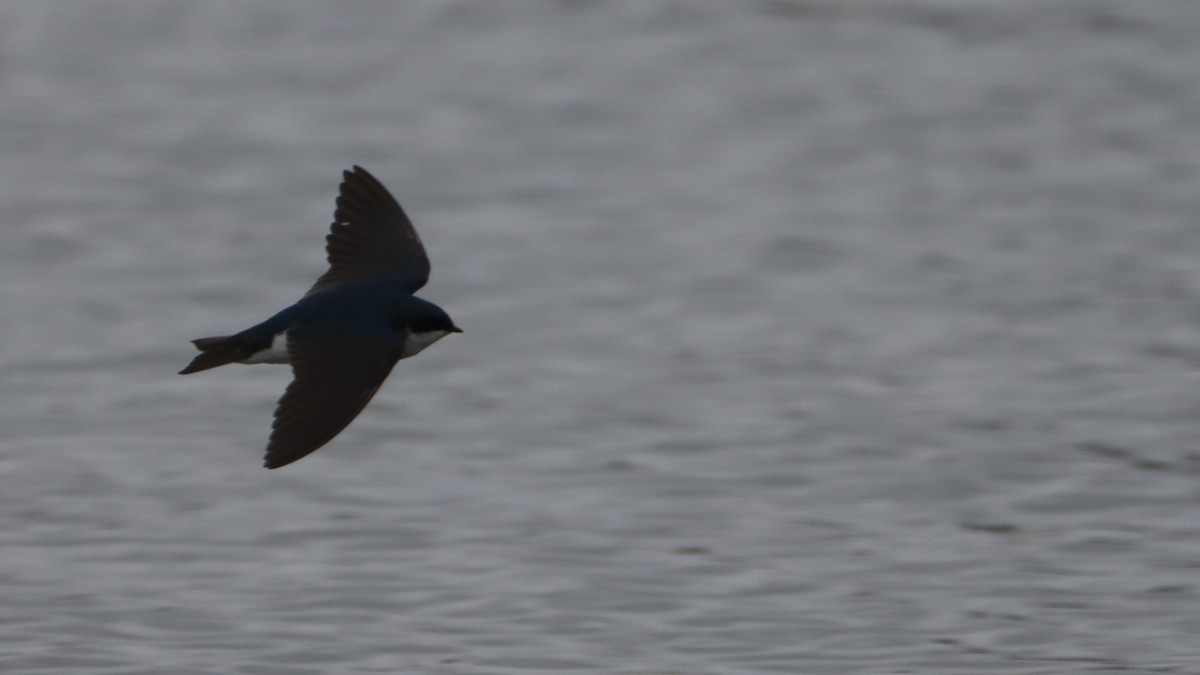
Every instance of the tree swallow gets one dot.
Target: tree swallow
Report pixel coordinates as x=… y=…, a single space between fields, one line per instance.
x=345 y=335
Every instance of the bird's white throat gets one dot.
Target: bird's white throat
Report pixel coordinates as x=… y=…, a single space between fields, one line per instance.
x=415 y=342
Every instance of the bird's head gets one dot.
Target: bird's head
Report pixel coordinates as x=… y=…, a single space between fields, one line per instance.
x=426 y=324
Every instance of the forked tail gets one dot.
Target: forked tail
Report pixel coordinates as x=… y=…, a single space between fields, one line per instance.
x=218 y=351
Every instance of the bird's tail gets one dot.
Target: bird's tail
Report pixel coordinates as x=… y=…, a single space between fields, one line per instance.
x=216 y=351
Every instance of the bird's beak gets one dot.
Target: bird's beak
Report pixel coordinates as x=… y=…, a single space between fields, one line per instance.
x=455 y=329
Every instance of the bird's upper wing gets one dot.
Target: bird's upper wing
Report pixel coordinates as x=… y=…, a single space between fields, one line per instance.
x=335 y=377
x=371 y=238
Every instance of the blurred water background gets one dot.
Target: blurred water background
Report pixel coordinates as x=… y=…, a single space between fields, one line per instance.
x=812 y=336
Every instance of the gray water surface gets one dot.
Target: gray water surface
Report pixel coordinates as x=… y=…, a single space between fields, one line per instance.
x=823 y=336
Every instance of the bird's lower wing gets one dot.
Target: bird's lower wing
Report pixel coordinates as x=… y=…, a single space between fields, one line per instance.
x=335 y=377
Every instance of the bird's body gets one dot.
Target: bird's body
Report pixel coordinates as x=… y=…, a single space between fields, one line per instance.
x=364 y=308
x=345 y=335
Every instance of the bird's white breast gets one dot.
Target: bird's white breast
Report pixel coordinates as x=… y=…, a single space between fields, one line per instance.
x=278 y=353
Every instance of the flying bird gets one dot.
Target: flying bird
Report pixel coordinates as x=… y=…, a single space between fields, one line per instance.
x=349 y=330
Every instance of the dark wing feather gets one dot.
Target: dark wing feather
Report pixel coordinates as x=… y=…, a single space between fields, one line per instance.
x=371 y=238
x=335 y=378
